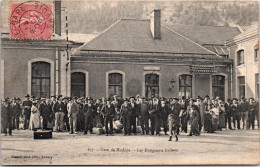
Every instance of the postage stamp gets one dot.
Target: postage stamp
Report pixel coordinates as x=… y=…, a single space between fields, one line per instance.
x=31 y=20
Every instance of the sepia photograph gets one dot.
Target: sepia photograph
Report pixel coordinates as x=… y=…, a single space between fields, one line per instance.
x=129 y=82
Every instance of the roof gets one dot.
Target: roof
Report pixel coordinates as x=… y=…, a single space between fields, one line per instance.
x=135 y=35
x=82 y=38
x=216 y=35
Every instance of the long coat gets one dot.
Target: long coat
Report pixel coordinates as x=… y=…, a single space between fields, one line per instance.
x=193 y=118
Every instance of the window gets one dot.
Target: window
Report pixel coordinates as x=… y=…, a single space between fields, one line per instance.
x=151 y=85
x=240 y=57
x=256 y=53
x=40 y=79
x=185 y=86
x=218 y=86
x=241 y=85
x=115 y=85
x=78 y=84
x=257 y=84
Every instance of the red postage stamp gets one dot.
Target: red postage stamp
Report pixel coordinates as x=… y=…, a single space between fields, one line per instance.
x=31 y=20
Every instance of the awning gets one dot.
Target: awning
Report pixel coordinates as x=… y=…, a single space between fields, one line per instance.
x=203 y=69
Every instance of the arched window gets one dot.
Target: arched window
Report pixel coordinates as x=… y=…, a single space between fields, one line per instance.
x=185 y=86
x=78 y=84
x=218 y=86
x=151 y=85
x=115 y=85
x=240 y=57
x=40 y=79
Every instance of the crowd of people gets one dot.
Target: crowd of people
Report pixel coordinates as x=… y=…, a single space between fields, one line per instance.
x=74 y=115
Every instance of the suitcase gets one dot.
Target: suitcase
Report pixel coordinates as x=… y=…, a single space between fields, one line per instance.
x=42 y=135
x=98 y=131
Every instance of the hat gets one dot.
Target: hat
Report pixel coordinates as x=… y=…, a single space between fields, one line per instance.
x=6 y=99
x=199 y=97
x=143 y=98
x=14 y=98
x=235 y=99
x=163 y=99
x=75 y=97
x=175 y=98
x=207 y=96
x=132 y=97
x=27 y=95
x=38 y=98
x=18 y=98
x=243 y=97
x=183 y=98
x=251 y=98
x=43 y=98
x=125 y=99
x=191 y=99
x=33 y=97
x=53 y=96
x=137 y=96
x=217 y=97
x=59 y=97
x=228 y=99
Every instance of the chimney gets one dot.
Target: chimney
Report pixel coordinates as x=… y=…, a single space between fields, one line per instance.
x=57 y=19
x=155 y=21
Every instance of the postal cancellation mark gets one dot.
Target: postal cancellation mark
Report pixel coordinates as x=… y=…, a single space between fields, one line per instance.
x=31 y=20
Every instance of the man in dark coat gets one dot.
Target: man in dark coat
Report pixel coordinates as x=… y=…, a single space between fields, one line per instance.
x=234 y=108
x=44 y=113
x=58 y=109
x=252 y=112
x=27 y=104
x=144 y=116
x=126 y=114
x=108 y=111
x=133 y=108
x=228 y=113
x=164 y=115
x=155 y=116
x=257 y=113
x=17 y=111
x=89 y=113
x=184 y=121
x=174 y=118
x=66 y=118
x=6 y=117
x=243 y=107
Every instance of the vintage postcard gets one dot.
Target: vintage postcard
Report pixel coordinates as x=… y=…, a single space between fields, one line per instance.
x=129 y=82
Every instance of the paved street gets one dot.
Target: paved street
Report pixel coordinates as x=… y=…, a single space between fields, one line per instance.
x=225 y=147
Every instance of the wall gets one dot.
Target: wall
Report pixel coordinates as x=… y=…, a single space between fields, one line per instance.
x=248 y=69
x=134 y=76
x=16 y=68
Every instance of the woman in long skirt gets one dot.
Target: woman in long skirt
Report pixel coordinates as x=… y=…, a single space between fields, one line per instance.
x=35 y=122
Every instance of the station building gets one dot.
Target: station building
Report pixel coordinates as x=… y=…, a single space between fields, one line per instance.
x=130 y=57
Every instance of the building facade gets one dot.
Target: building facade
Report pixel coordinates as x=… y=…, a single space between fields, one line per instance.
x=130 y=57
x=244 y=50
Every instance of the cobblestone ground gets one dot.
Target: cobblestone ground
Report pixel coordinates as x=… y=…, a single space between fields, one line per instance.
x=222 y=147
